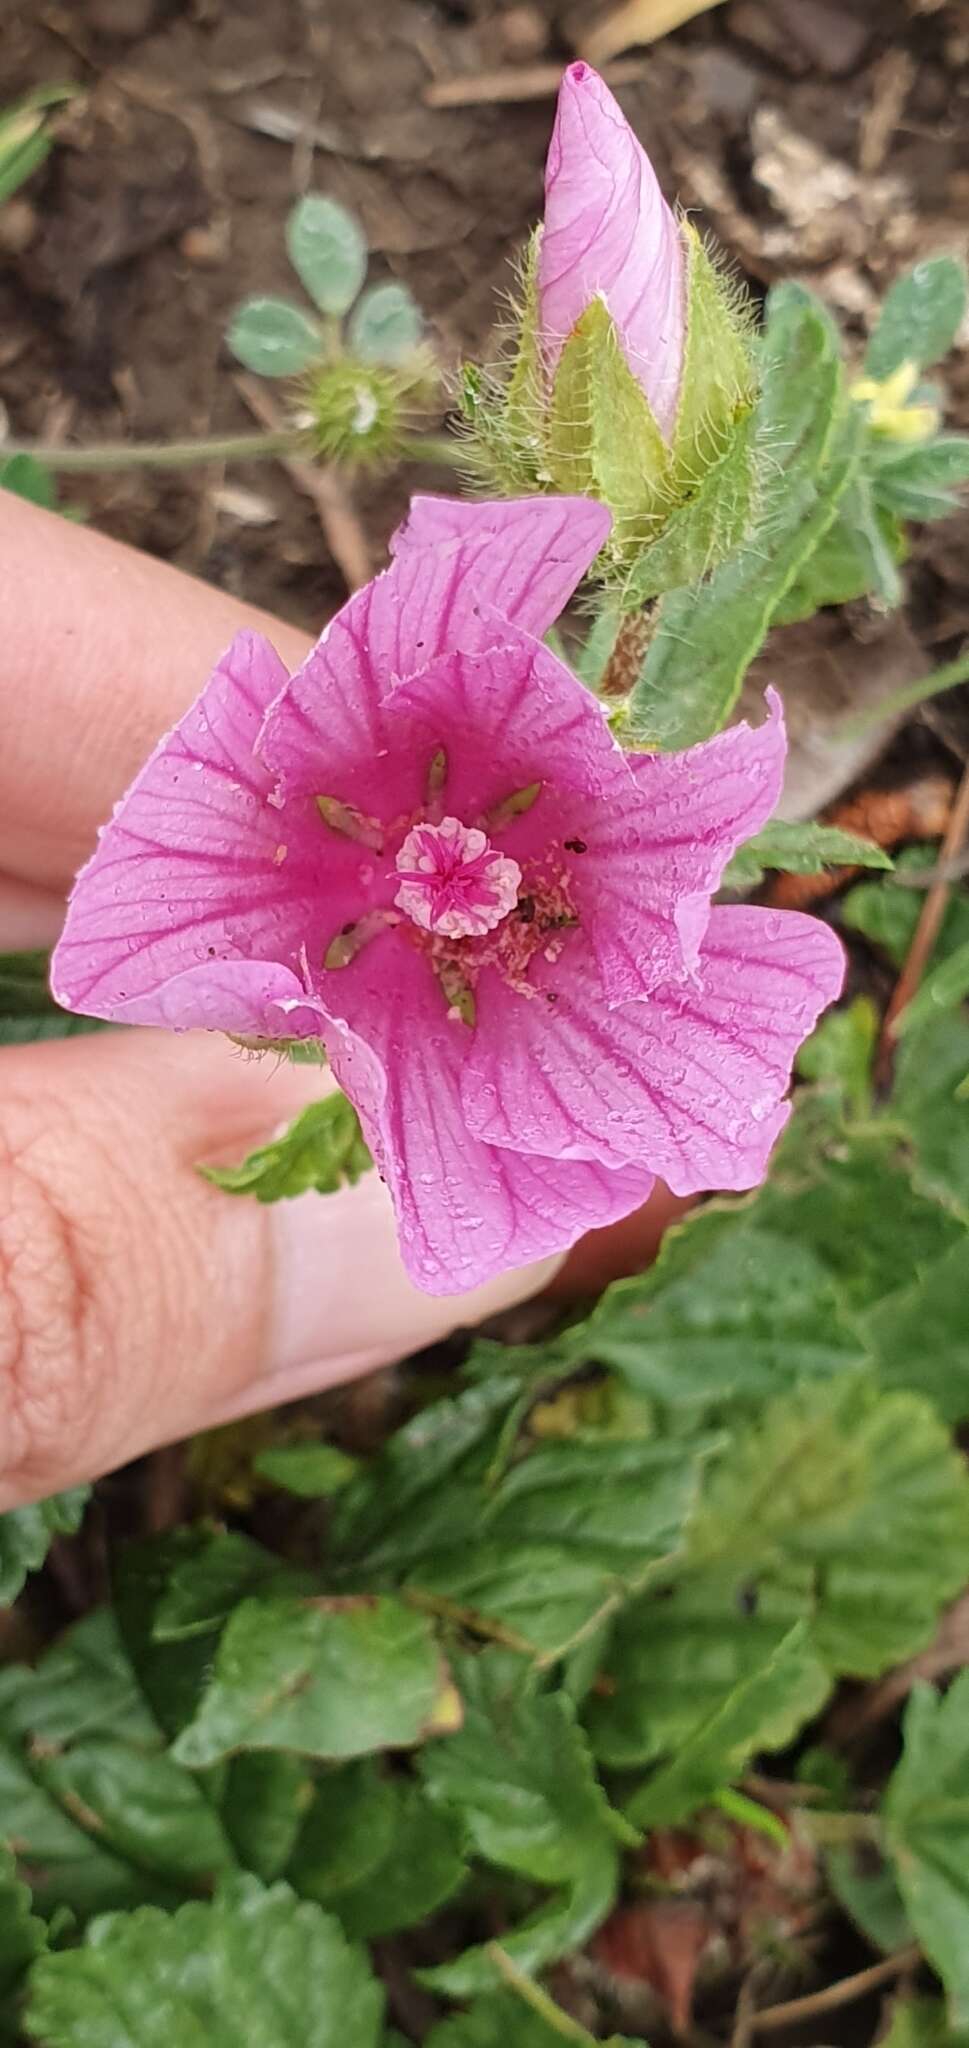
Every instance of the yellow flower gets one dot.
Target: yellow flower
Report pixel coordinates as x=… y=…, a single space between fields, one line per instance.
x=888 y=410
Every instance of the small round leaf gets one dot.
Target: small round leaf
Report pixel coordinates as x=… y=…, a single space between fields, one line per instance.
x=273 y=337
x=327 y=250
x=386 y=325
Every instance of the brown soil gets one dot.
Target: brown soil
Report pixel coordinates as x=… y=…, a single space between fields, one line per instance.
x=816 y=139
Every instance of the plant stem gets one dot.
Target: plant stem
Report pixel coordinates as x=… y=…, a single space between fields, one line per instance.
x=159 y=454
x=834 y=1995
x=946 y=678
x=440 y=448
x=533 y=1995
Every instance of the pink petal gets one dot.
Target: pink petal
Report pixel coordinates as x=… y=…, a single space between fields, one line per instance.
x=609 y=231
x=186 y=914
x=689 y=1081
x=653 y=863
x=524 y=556
x=465 y=1211
x=456 y=567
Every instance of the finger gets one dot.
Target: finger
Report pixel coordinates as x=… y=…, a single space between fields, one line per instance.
x=137 y=1302
x=103 y=649
x=28 y=917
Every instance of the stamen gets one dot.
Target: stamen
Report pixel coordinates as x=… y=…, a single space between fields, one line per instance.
x=351 y=823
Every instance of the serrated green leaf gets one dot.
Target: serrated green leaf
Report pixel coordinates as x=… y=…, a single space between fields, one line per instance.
x=707 y=635
x=540 y=1594
x=601 y=437
x=702 y=530
x=22 y=1938
x=749 y=1318
x=274 y=337
x=386 y=326
x=327 y=1678
x=926 y=1816
x=673 y=1660
x=920 y=318
x=858 y=556
x=919 y=1336
x=322 y=1149
x=519 y=1777
x=26 y=1535
x=785 y=1691
x=618 y=1503
x=142 y=1807
x=943 y=989
x=328 y=251
x=505 y=2021
x=864 y=1489
x=920 y=2023
x=346 y=1833
x=208 y=1576
x=801 y=849
x=257 y=1966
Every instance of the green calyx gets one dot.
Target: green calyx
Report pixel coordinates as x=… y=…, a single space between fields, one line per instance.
x=360 y=413
x=680 y=506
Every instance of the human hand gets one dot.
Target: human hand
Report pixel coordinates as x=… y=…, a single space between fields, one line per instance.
x=137 y=1303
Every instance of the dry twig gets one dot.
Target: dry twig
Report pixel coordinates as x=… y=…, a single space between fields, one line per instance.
x=926 y=931
x=515 y=82
x=344 y=533
x=835 y=1995
x=638 y=21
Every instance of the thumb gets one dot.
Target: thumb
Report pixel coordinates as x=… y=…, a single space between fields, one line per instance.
x=137 y=1302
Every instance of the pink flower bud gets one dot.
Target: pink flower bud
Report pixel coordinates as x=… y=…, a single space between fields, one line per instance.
x=609 y=233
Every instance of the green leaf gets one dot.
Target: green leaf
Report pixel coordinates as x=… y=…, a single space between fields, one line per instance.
x=886 y=913
x=788 y=1689
x=541 y=1594
x=864 y=1885
x=741 y=1321
x=251 y=1965
x=327 y=1678
x=323 y=1148
x=375 y=1850
x=312 y=1471
x=386 y=326
x=718 y=385
x=28 y=1012
x=22 y=1938
x=26 y=1535
x=863 y=1489
x=264 y=1801
x=840 y=1052
x=931 y=1067
x=800 y=850
x=503 y=2020
x=707 y=635
x=23 y=474
x=919 y=1336
x=943 y=989
x=920 y=2023
x=918 y=483
x=920 y=318
x=328 y=252
x=926 y=1816
x=143 y=1808
x=274 y=338
x=519 y=1776
x=676 y=1657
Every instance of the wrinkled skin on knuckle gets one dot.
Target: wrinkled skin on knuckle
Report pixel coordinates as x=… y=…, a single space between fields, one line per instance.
x=58 y=1268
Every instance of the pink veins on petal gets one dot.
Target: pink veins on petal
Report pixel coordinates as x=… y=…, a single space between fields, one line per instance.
x=427 y=849
x=453 y=881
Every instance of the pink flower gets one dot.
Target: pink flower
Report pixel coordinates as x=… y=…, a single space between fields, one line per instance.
x=427 y=848
x=608 y=232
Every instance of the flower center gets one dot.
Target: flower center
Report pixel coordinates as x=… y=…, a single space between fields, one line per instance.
x=453 y=881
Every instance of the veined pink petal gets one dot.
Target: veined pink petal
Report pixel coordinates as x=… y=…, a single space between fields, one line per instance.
x=197 y=880
x=523 y=556
x=608 y=232
x=459 y=572
x=689 y=1081
x=465 y=1210
x=654 y=861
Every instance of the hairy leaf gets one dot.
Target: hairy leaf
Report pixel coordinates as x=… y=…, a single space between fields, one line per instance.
x=920 y=318
x=26 y=1534
x=322 y=1148
x=926 y=1812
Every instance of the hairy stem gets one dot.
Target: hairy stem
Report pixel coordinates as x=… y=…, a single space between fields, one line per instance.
x=158 y=454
